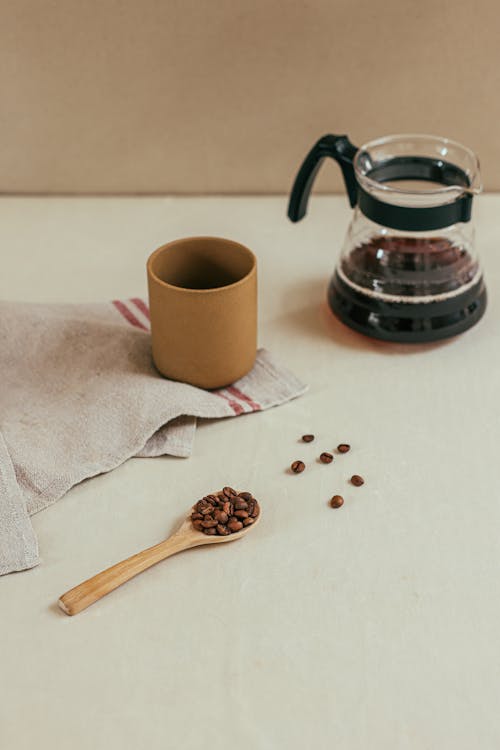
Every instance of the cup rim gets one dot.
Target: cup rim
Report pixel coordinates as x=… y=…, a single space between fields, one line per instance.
x=210 y=290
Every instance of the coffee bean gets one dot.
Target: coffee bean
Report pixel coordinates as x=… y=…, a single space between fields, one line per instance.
x=198 y=525
x=212 y=499
x=356 y=480
x=210 y=532
x=343 y=448
x=196 y=517
x=205 y=509
x=240 y=504
x=228 y=508
x=220 y=516
x=241 y=514
x=255 y=512
x=307 y=438
x=222 y=530
x=248 y=521
x=326 y=458
x=246 y=495
x=235 y=525
x=229 y=492
x=298 y=467
x=337 y=501
x=209 y=523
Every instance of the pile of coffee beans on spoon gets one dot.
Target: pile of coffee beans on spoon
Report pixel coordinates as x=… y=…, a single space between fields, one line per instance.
x=225 y=512
x=297 y=467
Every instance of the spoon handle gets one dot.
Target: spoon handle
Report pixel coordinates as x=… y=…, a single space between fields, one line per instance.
x=86 y=593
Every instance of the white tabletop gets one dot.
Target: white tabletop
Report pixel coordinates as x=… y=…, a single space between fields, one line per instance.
x=371 y=627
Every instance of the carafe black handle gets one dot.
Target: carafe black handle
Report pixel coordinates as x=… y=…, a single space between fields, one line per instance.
x=338 y=147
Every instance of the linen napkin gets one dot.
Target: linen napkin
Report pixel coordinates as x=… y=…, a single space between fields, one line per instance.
x=79 y=395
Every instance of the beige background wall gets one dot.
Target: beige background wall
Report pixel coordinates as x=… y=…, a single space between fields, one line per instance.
x=226 y=96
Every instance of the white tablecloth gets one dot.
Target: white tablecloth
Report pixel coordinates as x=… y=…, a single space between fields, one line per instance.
x=373 y=627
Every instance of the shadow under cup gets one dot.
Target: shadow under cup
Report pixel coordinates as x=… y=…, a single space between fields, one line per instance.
x=203 y=305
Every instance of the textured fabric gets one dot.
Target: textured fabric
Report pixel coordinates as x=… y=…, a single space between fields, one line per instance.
x=80 y=395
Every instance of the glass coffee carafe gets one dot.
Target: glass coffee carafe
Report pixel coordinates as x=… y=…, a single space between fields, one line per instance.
x=408 y=271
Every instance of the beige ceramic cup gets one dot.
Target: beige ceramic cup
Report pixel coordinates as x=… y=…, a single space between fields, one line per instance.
x=203 y=305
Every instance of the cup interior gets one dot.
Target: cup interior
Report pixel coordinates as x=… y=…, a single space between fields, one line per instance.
x=202 y=263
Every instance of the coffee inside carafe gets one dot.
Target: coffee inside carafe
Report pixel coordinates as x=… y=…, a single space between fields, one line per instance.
x=405 y=287
x=408 y=266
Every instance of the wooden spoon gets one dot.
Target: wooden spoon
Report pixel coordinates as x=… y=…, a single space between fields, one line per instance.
x=88 y=592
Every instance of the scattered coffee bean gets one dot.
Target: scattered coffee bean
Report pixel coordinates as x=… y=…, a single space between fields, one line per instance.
x=337 y=501
x=343 y=448
x=298 y=467
x=326 y=458
x=225 y=512
x=307 y=438
x=356 y=480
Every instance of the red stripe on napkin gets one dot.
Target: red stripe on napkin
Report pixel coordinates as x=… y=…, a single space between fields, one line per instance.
x=141 y=305
x=128 y=314
x=243 y=397
x=235 y=406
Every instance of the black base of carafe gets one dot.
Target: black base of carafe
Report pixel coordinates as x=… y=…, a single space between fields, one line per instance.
x=405 y=322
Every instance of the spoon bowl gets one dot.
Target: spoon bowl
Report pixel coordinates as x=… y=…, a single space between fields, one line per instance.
x=198 y=538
